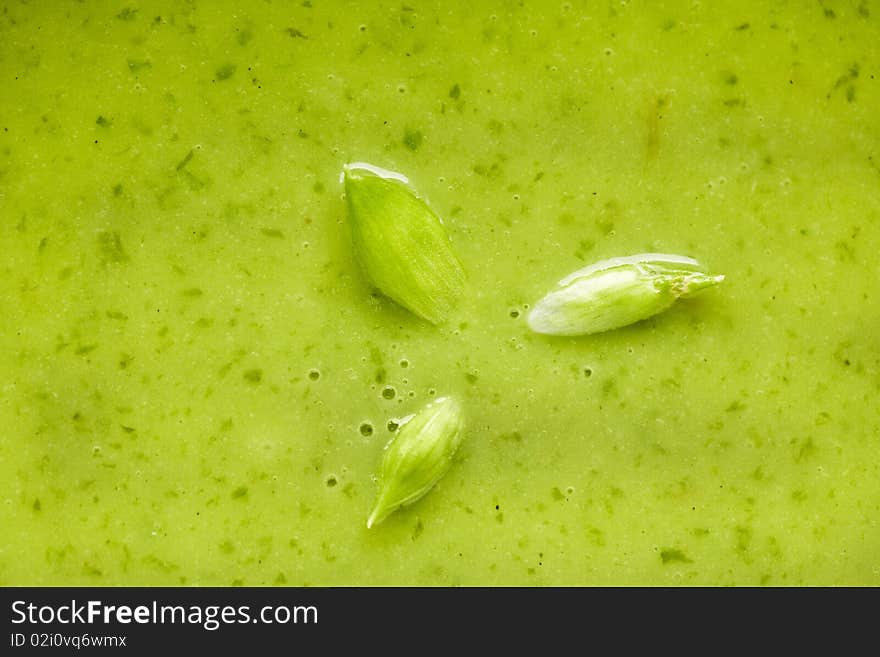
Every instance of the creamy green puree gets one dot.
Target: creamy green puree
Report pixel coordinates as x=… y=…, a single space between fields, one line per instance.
x=198 y=381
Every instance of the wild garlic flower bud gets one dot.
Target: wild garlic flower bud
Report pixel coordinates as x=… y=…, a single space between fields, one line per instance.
x=617 y=292
x=418 y=456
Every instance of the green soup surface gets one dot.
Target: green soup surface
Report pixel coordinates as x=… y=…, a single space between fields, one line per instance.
x=198 y=381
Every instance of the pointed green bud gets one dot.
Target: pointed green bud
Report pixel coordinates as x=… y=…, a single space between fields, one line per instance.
x=401 y=243
x=418 y=456
x=618 y=292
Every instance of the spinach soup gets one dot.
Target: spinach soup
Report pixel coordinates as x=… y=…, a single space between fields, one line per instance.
x=200 y=378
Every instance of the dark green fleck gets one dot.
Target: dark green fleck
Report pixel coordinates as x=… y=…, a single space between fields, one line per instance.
x=36 y=506
x=671 y=555
x=272 y=232
x=294 y=33
x=455 y=92
x=185 y=160
x=225 y=72
x=138 y=65
x=110 y=247
x=239 y=492
x=244 y=36
x=412 y=139
x=806 y=450
x=103 y=122
x=253 y=376
x=743 y=538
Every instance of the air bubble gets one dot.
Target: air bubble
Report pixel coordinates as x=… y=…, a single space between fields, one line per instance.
x=362 y=28
x=388 y=392
x=404 y=362
x=514 y=313
x=331 y=481
x=569 y=490
x=366 y=429
x=432 y=391
x=393 y=425
x=314 y=375
x=588 y=372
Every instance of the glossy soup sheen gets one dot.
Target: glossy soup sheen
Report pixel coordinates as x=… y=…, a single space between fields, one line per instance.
x=197 y=380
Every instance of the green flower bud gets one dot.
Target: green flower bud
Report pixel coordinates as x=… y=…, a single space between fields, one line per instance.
x=618 y=292
x=401 y=243
x=418 y=456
